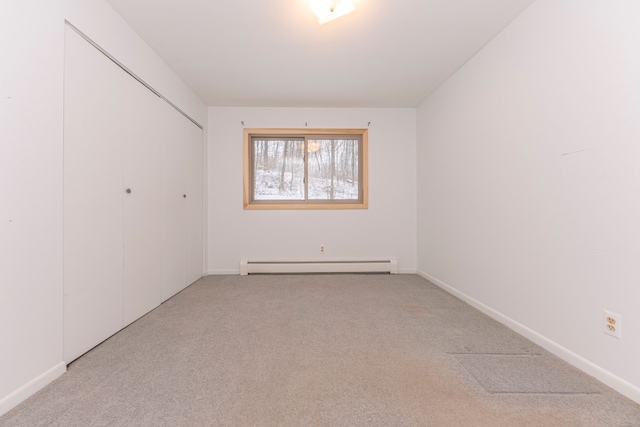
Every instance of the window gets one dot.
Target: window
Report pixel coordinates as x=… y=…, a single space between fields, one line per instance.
x=305 y=169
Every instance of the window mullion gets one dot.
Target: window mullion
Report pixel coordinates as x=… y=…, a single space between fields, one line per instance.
x=306 y=168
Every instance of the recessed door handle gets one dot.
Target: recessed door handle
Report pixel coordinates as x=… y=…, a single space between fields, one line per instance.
x=128 y=191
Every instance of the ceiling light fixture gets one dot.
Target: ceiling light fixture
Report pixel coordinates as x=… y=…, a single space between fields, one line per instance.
x=328 y=10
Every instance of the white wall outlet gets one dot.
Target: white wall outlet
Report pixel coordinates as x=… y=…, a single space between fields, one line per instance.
x=612 y=323
x=321 y=249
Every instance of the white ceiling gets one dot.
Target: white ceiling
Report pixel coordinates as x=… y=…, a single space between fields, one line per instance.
x=389 y=53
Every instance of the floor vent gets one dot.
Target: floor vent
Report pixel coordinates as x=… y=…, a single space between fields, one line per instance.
x=319 y=266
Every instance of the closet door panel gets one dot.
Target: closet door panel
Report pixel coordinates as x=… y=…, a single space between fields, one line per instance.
x=174 y=190
x=92 y=197
x=142 y=194
x=194 y=255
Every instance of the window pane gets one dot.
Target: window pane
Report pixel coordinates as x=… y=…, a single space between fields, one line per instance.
x=333 y=169
x=278 y=166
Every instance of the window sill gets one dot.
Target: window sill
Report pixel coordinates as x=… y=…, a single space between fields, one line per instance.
x=305 y=206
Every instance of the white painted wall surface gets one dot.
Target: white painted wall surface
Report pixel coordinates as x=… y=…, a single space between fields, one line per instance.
x=31 y=42
x=386 y=229
x=31 y=138
x=529 y=182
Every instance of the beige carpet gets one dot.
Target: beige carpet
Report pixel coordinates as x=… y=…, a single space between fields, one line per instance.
x=321 y=350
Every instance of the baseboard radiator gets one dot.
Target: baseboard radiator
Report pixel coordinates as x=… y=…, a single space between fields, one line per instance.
x=319 y=266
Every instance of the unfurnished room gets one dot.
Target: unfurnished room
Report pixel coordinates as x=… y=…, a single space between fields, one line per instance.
x=320 y=213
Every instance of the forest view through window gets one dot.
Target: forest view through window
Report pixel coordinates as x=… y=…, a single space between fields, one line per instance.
x=289 y=169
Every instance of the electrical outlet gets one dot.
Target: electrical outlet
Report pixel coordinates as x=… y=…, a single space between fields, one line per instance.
x=321 y=249
x=612 y=323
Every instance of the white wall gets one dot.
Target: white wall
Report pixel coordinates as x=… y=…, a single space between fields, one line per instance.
x=529 y=182
x=31 y=138
x=386 y=229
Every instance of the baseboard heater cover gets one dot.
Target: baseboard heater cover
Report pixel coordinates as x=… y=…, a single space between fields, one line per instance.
x=319 y=266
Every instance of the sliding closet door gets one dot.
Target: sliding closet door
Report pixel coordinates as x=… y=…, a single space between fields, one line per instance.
x=93 y=189
x=195 y=255
x=174 y=194
x=142 y=194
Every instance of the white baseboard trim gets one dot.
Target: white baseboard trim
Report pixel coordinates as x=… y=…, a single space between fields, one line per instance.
x=618 y=384
x=223 y=272
x=20 y=395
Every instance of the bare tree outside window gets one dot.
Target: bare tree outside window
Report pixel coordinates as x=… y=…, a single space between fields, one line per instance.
x=333 y=170
x=278 y=171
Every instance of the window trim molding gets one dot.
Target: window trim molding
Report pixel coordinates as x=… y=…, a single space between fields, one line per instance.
x=248 y=133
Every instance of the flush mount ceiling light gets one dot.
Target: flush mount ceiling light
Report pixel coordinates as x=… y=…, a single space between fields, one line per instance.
x=328 y=10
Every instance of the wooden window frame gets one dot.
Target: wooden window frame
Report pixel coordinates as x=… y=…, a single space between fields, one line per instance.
x=250 y=204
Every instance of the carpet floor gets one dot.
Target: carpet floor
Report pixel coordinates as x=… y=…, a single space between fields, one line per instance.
x=320 y=350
